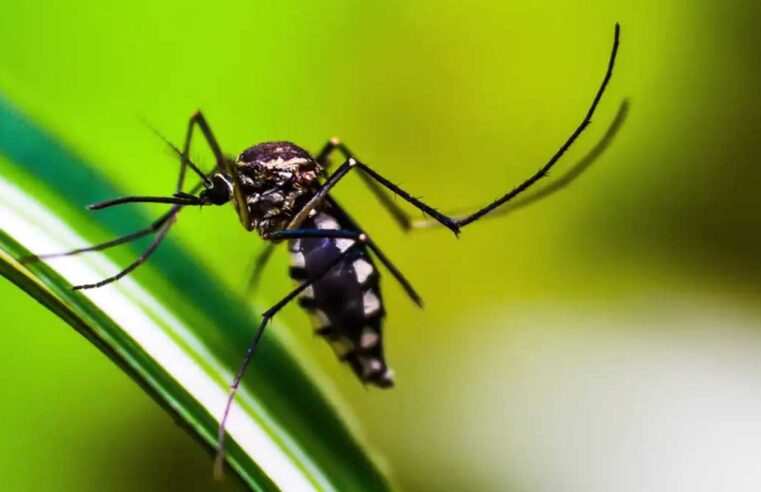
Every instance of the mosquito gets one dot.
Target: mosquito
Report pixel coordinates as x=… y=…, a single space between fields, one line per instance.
x=283 y=192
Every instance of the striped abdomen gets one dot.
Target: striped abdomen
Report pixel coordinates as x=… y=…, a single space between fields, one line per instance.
x=346 y=303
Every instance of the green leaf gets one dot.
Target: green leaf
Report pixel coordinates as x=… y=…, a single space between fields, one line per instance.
x=180 y=334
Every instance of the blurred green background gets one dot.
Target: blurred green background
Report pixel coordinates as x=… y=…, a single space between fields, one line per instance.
x=608 y=338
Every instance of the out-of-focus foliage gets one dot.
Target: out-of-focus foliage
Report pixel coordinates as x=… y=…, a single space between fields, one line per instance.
x=644 y=275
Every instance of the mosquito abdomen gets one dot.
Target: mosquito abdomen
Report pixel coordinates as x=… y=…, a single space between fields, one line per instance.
x=346 y=304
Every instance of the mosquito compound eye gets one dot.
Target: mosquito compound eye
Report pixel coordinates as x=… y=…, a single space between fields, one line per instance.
x=220 y=191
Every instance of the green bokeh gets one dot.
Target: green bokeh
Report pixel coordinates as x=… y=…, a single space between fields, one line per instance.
x=457 y=101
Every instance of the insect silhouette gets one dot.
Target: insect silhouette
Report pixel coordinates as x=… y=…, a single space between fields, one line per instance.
x=283 y=192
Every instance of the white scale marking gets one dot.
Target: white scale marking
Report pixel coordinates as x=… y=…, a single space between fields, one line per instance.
x=298 y=260
x=289 y=165
x=369 y=338
x=326 y=222
x=308 y=292
x=343 y=244
x=322 y=318
x=370 y=302
x=370 y=365
x=363 y=269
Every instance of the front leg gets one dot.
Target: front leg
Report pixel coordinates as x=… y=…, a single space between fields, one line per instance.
x=198 y=119
x=223 y=165
x=162 y=225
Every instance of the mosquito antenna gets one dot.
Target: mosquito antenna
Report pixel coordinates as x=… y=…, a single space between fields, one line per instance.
x=185 y=158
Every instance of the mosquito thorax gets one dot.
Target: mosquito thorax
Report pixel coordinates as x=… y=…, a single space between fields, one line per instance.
x=276 y=179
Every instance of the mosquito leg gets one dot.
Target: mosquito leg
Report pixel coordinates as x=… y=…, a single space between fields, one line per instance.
x=163 y=224
x=397 y=274
x=562 y=182
x=223 y=166
x=320 y=195
x=314 y=233
x=396 y=212
x=542 y=172
x=447 y=222
x=160 y=226
x=341 y=172
x=264 y=256
x=266 y=317
x=140 y=260
x=406 y=285
x=198 y=119
x=108 y=244
x=357 y=235
x=451 y=223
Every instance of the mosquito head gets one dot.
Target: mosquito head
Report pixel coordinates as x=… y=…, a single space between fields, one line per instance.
x=275 y=179
x=219 y=192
